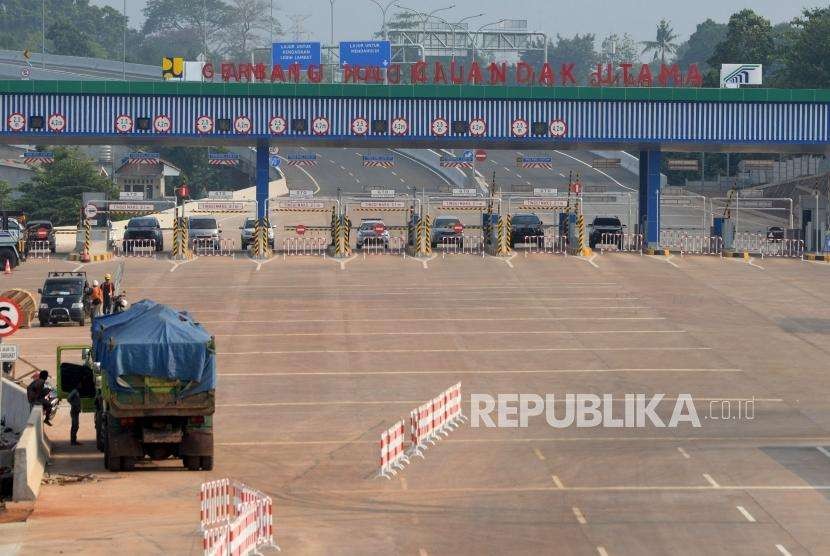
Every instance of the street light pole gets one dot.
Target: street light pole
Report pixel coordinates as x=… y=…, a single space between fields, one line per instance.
x=383 y=9
x=480 y=29
x=43 y=36
x=124 y=59
x=332 y=23
x=457 y=25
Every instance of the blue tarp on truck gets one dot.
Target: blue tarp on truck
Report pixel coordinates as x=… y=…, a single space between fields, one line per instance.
x=150 y=339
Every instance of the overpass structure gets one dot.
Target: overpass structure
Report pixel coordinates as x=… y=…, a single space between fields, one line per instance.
x=648 y=120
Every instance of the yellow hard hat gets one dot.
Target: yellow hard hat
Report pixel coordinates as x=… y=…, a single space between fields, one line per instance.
x=107 y=276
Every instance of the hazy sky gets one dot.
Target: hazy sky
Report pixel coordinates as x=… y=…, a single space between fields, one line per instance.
x=357 y=19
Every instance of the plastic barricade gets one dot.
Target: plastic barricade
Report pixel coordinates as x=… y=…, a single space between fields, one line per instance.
x=138 y=248
x=392 y=454
x=300 y=246
x=209 y=247
x=38 y=249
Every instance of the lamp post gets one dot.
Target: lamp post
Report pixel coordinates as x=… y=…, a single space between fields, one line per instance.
x=482 y=28
x=383 y=9
x=124 y=59
x=43 y=35
x=425 y=17
x=331 y=36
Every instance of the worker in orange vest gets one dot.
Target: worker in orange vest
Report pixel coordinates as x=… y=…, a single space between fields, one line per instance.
x=97 y=298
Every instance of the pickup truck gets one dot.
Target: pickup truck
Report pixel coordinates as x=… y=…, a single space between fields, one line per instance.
x=150 y=377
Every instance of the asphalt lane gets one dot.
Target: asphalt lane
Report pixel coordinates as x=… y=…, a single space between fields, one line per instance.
x=315 y=361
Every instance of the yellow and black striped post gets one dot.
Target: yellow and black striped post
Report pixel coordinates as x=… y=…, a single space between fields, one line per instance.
x=176 y=250
x=503 y=236
x=426 y=237
x=261 y=249
x=85 y=256
x=342 y=247
x=333 y=225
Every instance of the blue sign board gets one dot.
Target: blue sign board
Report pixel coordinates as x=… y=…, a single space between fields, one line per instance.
x=365 y=53
x=275 y=161
x=303 y=53
x=468 y=155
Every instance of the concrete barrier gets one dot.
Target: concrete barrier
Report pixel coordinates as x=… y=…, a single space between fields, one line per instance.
x=30 y=458
x=14 y=405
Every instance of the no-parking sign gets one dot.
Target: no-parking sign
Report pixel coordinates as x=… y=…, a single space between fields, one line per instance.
x=9 y=316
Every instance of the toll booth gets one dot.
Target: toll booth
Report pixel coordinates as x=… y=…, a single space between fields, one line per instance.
x=394 y=211
x=303 y=225
x=551 y=211
x=472 y=212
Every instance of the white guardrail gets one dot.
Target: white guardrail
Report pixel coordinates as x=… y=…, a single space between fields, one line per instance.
x=379 y=246
x=551 y=244
x=701 y=245
x=312 y=246
x=39 y=249
x=462 y=245
x=623 y=243
x=209 y=247
x=136 y=248
x=789 y=248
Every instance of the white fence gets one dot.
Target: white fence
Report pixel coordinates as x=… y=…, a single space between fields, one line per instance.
x=209 y=247
x=394 y=245
x=137 y=248
x=624 y=243
x=462 y=245
x=39 y=249
x=300 y=245
x=551 y=244
x=790 y=248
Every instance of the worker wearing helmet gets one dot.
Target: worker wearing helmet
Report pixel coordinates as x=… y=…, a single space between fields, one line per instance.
x=108 y=290
x=97 y=299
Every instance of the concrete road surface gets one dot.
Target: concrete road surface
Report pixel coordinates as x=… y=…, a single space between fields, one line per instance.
x=317 y=357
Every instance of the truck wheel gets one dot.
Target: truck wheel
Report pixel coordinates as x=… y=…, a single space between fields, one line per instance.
x=191 y=462
x=113 y=463
x=207 y=463
x=127 y=463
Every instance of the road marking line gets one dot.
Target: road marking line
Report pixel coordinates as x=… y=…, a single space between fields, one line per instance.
x=346 y=441
x=344 y=262
x=471 y=333
x=561 y=175
x=428 y=289
x=471 y=372
x=684 y=453
x=601 y=551
x=177 y=264
x=394 y=173
x=580 y=517
x=377 y=306
x=710 y=480
x=402 y=402
x=665 y=260
x=596 y=170
x=464 y=350
x=823 y=451
x=513 y=490
x=539 y=454
x=304 y=171
x=79 y=267
x=557 y=481
x=342 y=167
x=751 y=263
x=471 y=319
x=783 y=550
x=505 y=261
x=746 y=514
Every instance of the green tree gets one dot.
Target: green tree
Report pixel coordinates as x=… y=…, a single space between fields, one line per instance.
x=72 y=41
x=663 y=46
x=55 y=191
x=806 y=63
x=5 y=195
x=701 y=45
x=197 y=19
x=579 y=50
x=749 y=39
x=617 y=49
x=249 y=28
x=196 y=172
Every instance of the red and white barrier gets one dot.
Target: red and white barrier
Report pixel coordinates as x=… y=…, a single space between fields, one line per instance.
x=420 y=429
x=455 y=415
x=392 y=454
x=235 y=519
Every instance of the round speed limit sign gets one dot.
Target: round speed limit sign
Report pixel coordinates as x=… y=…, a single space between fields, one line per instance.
x=9 y=316
x=123 y=123
x=204 y=124
x=519 y=127
x=478 y=127
x=440 y=127
x=400 y=126
x=360 y=126
x=320 y=126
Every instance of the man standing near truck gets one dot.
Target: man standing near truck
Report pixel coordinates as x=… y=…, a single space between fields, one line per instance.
x=74 y=399
x=108 y=291
x=97 y=299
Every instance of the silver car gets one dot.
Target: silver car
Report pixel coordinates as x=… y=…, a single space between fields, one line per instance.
x=204 y=231
x=366 y=234
x=247 y=232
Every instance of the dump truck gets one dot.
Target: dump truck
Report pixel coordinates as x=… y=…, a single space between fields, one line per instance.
x=149 y=376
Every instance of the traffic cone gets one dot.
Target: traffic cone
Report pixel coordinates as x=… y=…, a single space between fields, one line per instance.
x=8 y=269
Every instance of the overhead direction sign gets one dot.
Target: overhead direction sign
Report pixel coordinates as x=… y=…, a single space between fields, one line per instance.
x=366 y=53
x=304 y=54
x=456 y=162
x=302 y=159
x=38 y=157
x=143 y=158
x=9 y=316
x=459 y=192
x=379 y=161
x=131 y=207
x=382 y=193
x=540 y=162
x=223 y=159
x=544 y=203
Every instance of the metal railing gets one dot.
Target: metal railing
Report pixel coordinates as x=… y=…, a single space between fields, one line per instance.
x=39 y=249
x=749 y=242
x=672 y=239
x=697 y=244
x=394 y=245
x=462 y=245
x=137 y=248
x=312 y=246
x=788 y=248
x=552 y=244
x=209 y=247
x=623 y=243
